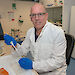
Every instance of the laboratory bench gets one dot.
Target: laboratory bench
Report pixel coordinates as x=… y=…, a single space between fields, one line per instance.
x=4 y=49
x=9 y=62
x=11 y=65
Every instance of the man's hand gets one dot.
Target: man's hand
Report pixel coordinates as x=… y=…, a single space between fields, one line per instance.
x=25 y=63
x=8 y=39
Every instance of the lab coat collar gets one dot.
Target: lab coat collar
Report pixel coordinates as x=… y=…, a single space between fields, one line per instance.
x=32 y=36
x=43 y=29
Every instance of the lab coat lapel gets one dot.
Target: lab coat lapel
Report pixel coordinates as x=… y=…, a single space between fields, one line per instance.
x=42 y=32
x=32 y=36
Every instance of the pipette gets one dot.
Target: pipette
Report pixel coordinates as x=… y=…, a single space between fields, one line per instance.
x=13 y=46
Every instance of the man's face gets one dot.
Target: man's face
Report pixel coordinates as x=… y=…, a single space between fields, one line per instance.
x=38 y=16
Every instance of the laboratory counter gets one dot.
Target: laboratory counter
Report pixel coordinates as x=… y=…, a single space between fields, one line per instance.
x=11 y=65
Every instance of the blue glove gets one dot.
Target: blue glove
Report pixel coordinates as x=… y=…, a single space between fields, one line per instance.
x=25 y=63
x=8 y=39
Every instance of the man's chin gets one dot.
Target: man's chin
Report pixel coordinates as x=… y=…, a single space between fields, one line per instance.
x=38 y=28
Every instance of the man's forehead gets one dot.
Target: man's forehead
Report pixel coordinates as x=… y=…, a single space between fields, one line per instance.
x=38 y=6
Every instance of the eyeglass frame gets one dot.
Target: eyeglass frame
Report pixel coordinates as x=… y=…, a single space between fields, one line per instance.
x=39 y=15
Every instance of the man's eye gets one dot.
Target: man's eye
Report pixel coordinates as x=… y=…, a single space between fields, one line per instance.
x=40 y=14
x=33 y=14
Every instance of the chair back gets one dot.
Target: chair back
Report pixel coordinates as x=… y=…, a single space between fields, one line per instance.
x=70 y=46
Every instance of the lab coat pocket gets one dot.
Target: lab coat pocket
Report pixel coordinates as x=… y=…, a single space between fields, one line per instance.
x=46 y=49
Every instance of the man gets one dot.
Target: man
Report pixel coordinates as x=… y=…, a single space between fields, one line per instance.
x=45 y=41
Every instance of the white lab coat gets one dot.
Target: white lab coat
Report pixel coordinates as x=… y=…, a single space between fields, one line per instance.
x=48 y=51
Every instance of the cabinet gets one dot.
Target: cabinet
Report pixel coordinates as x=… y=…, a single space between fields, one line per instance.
x=54 y=9
x=54 y=14
x=72 y=22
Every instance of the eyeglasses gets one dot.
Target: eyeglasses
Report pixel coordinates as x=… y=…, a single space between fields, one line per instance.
x=39 y=15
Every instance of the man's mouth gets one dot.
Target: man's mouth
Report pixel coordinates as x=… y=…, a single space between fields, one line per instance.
x=37 y=22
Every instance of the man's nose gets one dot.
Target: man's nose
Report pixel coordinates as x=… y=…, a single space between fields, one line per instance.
x=36 y=16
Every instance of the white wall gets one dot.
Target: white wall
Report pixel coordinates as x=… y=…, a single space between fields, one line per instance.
x=67 y=14
x=72 y=22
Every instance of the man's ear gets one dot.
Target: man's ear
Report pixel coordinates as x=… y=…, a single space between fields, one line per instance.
x=46 y=16
x=31 y=18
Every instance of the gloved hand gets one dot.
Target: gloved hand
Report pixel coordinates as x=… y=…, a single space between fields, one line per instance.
x=25 y=63
x=8 y=39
